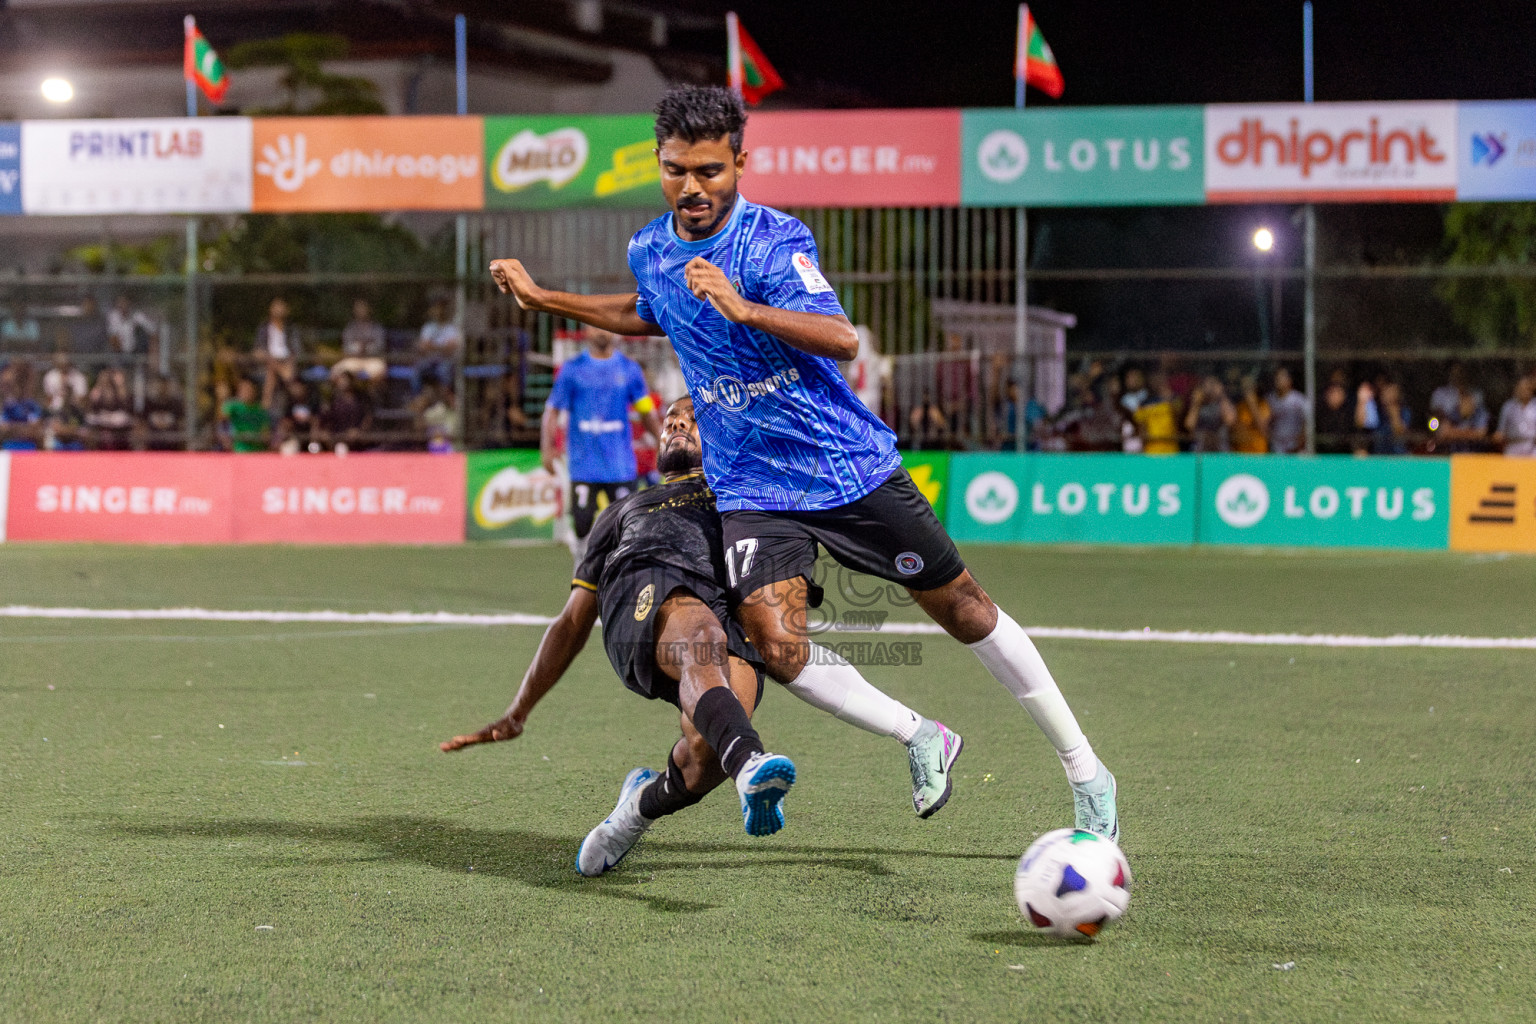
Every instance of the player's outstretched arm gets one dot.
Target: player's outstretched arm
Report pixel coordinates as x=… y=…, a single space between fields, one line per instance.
x=819 y=334
x=614 y=313
x=562 y=641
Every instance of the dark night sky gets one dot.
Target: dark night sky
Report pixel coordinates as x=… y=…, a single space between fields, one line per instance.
x=913 y=53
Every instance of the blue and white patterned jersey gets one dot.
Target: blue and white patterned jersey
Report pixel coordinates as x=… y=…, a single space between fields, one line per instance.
x=597 y=393
x=781 y=428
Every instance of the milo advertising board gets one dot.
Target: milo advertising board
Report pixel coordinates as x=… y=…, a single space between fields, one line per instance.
x=930 y=473
x=547 y=161
x=510 y=496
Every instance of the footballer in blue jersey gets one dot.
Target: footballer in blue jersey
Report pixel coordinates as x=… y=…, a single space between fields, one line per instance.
x=796 y=461
x=595 y=391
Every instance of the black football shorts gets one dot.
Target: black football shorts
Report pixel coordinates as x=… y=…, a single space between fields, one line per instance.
x=588 y=499
x=629 y=605
x=891 y=533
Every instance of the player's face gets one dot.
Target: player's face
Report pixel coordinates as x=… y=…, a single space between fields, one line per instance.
x=681 y=451
x=699 y=181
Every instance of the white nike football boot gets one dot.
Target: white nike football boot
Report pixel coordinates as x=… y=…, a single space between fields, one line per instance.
x=618 y=833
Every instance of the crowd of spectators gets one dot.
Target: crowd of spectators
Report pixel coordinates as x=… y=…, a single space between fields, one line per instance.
x=1172 y=409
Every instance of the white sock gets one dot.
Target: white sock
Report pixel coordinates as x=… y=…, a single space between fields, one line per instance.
x=831 y=684
x=1011 y=657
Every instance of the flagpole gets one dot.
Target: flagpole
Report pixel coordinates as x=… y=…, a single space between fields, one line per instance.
x=733 y=70
x=188 y=26
x=1309 y=257
x=1021 y=234
x=189 y=293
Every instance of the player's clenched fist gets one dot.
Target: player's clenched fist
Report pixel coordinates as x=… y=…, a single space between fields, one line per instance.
x=504 y=728
x=709 y=282
x=513 y=279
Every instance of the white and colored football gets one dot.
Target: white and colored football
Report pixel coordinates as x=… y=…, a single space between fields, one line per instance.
x=1072 y=883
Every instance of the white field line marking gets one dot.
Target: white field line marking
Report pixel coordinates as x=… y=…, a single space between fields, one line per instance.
x=1148 y=635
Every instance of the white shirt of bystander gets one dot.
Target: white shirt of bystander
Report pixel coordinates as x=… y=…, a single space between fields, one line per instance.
x=1517 y=425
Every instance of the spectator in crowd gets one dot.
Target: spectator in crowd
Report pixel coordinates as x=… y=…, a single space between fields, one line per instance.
x=88 y=333
x=63 y=383
x=956 y=386
x=437 y=346
x=866 y=372
x=346 y=418
x=1135 y=393
x=64 y=428
x=1287 y=415
x=1157 y=419
x=502 y=405
x=164 y=406
x=436 y=416
x=129 y=330
x=1445 y=400
x=245 y=425
x=1381 y=414
x=1336 y=433
x=1517 y=419
x=1210 y=417
x=19 y=331
x=277 y=349
x=1250 y=428
x=1008 y=420
x=21 y=415
x=109 y=410
x=362 y=346
x=1465 y=427
x=293 y=417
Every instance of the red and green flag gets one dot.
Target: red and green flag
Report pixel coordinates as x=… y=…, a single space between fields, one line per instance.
x=201 y=64
x=1034 y=63
x=751 y=74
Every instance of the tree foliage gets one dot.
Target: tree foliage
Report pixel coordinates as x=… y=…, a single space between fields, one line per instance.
x=1497 y=311
x=310 y=88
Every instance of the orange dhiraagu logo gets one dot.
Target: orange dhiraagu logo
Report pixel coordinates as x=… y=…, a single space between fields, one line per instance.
x=367 y=163
x=1493 y=503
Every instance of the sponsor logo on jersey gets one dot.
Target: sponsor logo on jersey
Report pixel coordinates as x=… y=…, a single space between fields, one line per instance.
x=809 y=275
x=732 y=393
x=644 y=601
x=909 y=563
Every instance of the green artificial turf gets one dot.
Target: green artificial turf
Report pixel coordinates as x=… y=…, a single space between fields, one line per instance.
x=170 y=789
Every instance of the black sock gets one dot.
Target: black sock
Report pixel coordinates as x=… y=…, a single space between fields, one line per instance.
x=668 y=794
x=724 y=724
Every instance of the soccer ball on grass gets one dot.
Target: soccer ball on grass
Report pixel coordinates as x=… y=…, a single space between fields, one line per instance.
x=1072 y=883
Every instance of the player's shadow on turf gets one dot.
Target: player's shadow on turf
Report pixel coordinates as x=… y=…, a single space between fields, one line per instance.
x=1025 y=940
x=531 y=858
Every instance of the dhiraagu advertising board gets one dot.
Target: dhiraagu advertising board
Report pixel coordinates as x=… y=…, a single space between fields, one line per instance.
x=1066 y=499
x=1083 y=156
x=547 y=161
x=1325 y=501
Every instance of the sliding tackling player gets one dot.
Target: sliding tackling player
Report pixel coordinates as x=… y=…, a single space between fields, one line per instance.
x=652 y=568
x=795 y=459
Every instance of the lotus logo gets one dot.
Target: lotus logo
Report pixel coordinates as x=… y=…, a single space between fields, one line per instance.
x=991 y=498
x=1242 y=500
x=1003 y=155
x=529 y=157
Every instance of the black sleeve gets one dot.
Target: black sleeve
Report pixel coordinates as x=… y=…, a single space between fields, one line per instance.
x=601 y=541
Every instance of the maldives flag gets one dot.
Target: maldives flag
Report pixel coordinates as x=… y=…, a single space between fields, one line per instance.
x=751 y=74
x=201 y=64
x=1034 y=63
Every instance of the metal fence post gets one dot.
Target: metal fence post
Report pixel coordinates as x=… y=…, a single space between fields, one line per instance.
x=190 y=327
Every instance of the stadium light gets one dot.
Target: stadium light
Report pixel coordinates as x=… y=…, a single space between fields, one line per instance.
x=1263 y=239
x=58 y=90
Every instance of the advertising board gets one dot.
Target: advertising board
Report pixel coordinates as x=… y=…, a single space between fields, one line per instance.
x=1496 y=150
x=510 y=496
x=1084 y=156
x=1324 y=501
x=367 y=163
x=10 y=168
x=544 y=161
x=1493 y=503
x=1349 y=152
x=360 y=499
x=930 y=472
x=1056 y=499
x=152 y=165
x=853 y=158
x=146 y=498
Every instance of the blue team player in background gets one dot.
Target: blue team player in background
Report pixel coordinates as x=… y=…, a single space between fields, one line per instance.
x=595 y=392
x=795 y=459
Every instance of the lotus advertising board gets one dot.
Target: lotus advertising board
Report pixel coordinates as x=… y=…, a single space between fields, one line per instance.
x=1087 y=156
x=1325 y=501
x=511 y=496
x=1347 y=152
x=151 y=165
x=548 y=161
x=10 y=168
x=1496 y=150
x=1068 y=499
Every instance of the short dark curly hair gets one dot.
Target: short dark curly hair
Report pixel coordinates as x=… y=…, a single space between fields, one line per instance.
x=694 y=112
